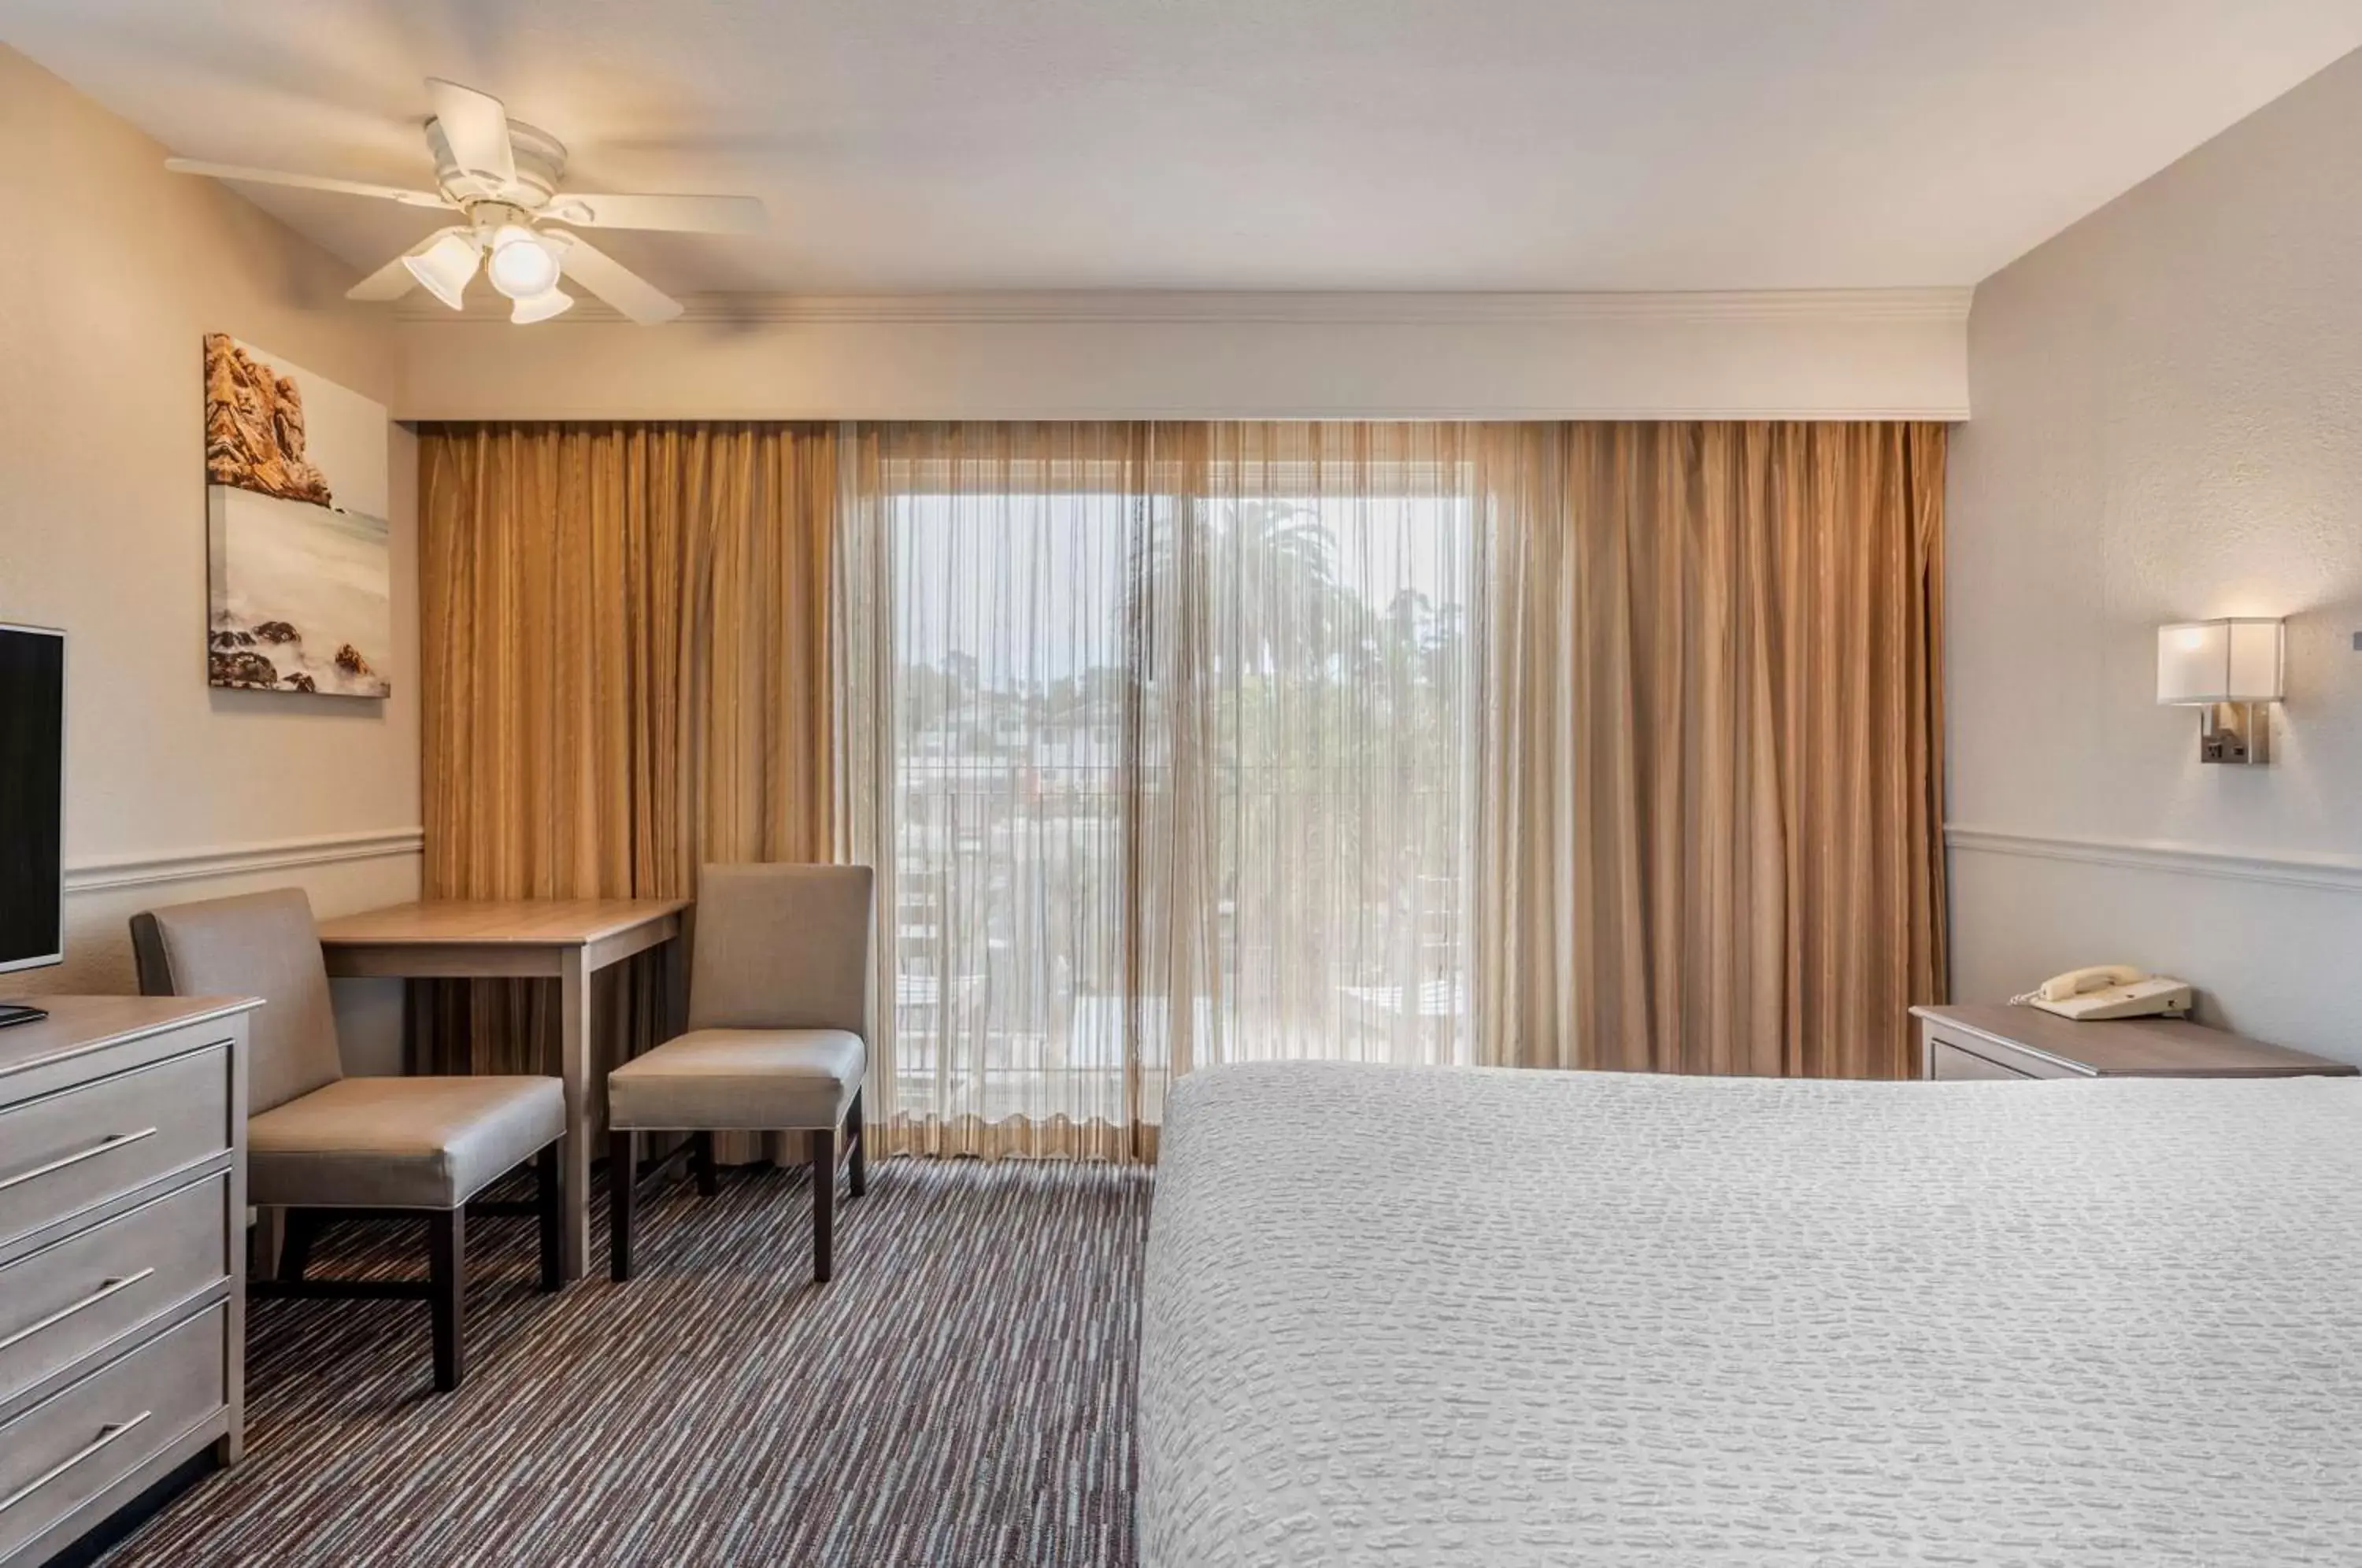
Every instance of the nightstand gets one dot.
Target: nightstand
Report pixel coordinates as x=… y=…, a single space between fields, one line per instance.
x=1993 y=1040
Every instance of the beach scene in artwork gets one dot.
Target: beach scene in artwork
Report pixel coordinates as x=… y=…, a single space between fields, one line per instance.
x=301 y=563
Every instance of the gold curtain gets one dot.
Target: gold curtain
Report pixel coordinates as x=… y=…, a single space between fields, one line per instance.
x=1598 y=746
x=1712 y=839
x=626 y=662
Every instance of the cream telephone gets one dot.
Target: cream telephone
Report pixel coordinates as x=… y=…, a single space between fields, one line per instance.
x=2109 y=990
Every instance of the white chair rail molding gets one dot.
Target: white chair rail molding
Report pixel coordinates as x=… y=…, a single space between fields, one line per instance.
x=2229 y=669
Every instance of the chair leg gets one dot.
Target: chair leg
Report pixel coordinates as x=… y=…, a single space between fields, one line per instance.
x=623 y=1176
x=701 y=1161
x=824 y=1186
x=859 y=1135
x=302 y=1229
x=265 y=1241
x=549 y=1208
x=446 y=1245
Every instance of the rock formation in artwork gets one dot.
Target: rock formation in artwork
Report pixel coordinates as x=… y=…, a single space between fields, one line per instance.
x=349 y=661
x=254 y=426
x=244 y=668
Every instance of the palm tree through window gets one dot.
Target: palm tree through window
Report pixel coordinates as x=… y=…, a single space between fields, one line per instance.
x=1181 y=771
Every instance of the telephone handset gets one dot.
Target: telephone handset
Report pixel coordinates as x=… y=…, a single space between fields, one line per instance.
x=2109 y=990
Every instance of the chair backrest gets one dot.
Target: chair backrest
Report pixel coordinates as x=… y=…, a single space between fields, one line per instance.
x=261 y=944
x=782 y=947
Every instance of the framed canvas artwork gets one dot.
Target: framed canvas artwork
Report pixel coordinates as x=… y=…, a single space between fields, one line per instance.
x=301 y=571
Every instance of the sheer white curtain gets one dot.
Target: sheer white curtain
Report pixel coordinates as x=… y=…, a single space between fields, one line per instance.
x=1162 y=738
x=1325 y=675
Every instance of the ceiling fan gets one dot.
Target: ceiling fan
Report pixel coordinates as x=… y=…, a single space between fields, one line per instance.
x=502 y=177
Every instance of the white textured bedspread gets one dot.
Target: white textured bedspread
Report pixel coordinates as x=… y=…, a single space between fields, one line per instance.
x=1400 y=1316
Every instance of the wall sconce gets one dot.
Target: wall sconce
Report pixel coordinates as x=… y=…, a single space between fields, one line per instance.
x=2227 y=670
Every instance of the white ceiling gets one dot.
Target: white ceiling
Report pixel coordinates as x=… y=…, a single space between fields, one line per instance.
x=907 y=145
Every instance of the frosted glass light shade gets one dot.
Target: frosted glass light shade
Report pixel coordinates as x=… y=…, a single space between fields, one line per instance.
x=445 y=265
x=521 y=267
x=541 y=307
x=2234 y=660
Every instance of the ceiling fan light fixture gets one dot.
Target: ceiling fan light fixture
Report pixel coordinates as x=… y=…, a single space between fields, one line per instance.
x=523 y=265
x=502 y=178
x=443 y=266
x=541 y=307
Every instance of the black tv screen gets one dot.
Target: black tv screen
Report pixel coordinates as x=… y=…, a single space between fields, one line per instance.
x=32 y=795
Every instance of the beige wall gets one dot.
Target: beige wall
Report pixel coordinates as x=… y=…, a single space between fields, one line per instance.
x=111 y=273
x=1847 y=354
x=2169 y=425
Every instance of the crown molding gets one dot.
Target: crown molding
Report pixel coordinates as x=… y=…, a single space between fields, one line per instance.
x=1216 y=308
x=240 y=859
x=2327 y=873
x=1444 y=413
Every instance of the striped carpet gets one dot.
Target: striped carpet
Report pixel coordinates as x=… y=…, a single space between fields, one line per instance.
x=960 y=1394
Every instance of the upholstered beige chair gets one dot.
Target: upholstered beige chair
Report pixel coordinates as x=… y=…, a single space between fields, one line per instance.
x=322 y=1145
x=778 y=1040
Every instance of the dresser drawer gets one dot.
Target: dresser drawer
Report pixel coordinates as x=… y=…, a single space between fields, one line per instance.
x=1950 y=1062
x=73 y=1296
x=64 y=1152
x=69 y=1447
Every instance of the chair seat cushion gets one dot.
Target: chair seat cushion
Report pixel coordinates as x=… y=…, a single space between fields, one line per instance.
x=739 y=1080
x=423 y=1142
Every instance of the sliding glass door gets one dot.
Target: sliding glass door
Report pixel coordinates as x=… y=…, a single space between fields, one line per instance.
x=1338 y=700
x=1177 y=739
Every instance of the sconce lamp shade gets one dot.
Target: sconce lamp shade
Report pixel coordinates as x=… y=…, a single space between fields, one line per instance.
x=2236 y=660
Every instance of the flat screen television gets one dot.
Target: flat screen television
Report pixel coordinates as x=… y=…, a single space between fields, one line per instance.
x=32 y=802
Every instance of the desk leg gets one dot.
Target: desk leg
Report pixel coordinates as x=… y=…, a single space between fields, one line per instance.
x=574 y=1164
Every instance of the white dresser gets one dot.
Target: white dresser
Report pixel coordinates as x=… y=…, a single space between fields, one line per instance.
x=122 y=1257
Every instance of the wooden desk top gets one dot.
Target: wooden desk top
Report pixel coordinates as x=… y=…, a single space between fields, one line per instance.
x=514 y=922
x=77 y=1025
x=2142 y=1048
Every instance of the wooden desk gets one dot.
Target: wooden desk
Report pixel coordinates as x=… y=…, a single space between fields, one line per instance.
x=565 y=940
x=1993 y=1040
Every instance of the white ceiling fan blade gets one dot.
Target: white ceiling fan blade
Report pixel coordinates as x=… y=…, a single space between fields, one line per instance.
x=601 y=273
x=394 y=278
x=614 y=282
x=390 y=282
x=476 y=129
x=679 y=215
x=305 y=181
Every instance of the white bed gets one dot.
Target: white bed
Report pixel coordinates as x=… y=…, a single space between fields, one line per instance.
x=1398 y=1316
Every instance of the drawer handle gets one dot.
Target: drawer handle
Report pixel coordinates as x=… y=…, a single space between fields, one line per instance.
x=104 y=1146
x=104 y=1290
x=106 y=1434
